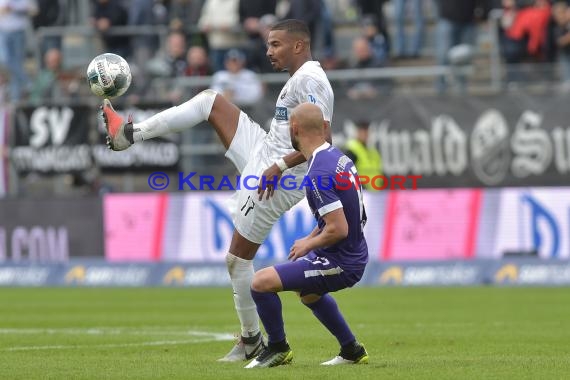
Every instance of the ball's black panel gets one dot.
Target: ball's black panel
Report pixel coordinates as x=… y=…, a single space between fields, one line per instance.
x=111 y=91
x=92 y=77
x=120 y=81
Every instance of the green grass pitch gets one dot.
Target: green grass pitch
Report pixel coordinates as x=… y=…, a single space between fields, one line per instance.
x=410 y=333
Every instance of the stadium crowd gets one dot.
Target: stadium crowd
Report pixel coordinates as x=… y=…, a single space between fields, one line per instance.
x=199 y=37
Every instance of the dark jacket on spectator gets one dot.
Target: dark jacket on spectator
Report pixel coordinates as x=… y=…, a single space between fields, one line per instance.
x=256 y=8
x=117 y=16
x=49 y=13
x=306 y=10
x=463 y=11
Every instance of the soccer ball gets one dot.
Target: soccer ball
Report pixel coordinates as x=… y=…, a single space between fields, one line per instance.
x=109 y=75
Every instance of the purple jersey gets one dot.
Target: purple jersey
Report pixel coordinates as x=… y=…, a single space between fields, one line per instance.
x=324 y=196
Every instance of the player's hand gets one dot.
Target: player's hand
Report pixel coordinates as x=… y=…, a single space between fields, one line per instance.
x=299 y=249
x=272 y=175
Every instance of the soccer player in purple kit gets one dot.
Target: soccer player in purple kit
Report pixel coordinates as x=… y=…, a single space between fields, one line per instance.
x=332 y=257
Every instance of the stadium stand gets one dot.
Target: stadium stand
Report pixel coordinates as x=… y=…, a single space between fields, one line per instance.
x=79 y=42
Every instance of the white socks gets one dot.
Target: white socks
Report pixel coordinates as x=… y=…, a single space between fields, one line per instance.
x=175 y=119
x=241 y=275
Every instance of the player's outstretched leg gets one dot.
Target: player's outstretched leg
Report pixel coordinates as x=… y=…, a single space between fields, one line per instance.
x=200 y=108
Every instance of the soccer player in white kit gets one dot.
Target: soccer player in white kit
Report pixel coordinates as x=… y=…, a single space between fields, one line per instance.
x=254 y=152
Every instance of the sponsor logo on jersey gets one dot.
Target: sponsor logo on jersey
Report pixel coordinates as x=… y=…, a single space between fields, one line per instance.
x=312 y=99
x=283 y=94
x=281 y=113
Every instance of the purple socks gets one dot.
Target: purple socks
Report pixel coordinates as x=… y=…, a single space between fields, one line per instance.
x=270 y=309
x=326 y=310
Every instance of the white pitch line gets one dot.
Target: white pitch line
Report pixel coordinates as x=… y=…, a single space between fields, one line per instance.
x=115 y=345
x=111 y=331
x=202 y=336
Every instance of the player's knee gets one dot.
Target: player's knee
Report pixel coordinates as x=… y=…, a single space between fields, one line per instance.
x=264 y=281
x=260 y=282
x=209 y=93
x=230 y=262
x=207 y=98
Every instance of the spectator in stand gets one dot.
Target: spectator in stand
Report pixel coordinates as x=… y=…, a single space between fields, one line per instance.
x=364 y=55
x=524 y=34
x=173 y=63
x=51 y=83
x=256 y=25
x=366 y=158
x=14 y=20
x=257 y=48
x=106 y=15
x=527 y=30
x=561 y=14
x=50 y=13
x=306 y=10
x=419 y=28
x=251 y=11
x=184 y=15
x=457 y=25
x=197 y=64
x=378 y=44
x=220 y=22
x=239 y=85
x=364 y=59
x=144 y=13
x=327 y=32
x=375 y=10
x=169 y=63
x=513 y=51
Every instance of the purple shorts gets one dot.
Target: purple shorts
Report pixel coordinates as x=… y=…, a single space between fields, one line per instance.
x=314 y=274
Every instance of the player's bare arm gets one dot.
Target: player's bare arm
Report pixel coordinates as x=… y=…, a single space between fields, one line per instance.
x=274 y=172
x=336 y=229
x=291 y=160
x=313 y=233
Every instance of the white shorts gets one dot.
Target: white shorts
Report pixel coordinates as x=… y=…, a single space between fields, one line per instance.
x=253 y=218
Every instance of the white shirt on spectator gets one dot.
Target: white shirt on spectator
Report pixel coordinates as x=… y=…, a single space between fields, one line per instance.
x=221 y=20
x=18 y=17
x=245 y=86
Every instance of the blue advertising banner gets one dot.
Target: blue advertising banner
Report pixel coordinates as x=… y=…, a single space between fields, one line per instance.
x=91 y=273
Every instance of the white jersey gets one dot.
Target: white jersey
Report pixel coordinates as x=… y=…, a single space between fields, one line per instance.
x=308 y=84
x=253 y=150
